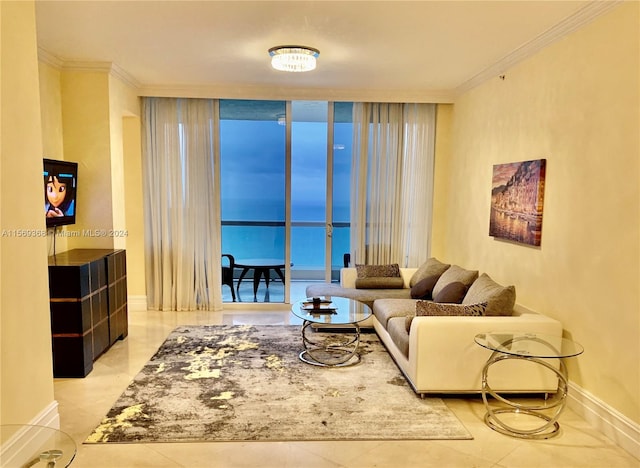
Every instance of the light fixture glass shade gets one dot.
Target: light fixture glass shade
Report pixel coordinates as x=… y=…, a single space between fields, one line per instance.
x=293 y=58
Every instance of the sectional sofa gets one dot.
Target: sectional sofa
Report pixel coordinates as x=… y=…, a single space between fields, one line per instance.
x=431 y=336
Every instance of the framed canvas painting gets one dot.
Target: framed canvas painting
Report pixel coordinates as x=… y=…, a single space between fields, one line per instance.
x=517 y=199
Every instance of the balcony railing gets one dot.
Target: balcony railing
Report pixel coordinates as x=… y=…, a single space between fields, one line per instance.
x=265 y=239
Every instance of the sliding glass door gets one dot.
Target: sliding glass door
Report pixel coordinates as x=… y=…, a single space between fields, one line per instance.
x=309 y=188
x=340 y=185
x=320 y=188
x=285 y=191
x=253 y=196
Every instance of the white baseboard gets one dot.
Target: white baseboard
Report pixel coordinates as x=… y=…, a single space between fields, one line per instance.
x=17 y=450
x=609 y=421
x=48 y=417
x=137 y=303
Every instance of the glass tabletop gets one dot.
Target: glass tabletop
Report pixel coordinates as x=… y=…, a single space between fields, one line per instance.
x=260 y=263
x=332 y=310
x=29 y=445
x=534 y=345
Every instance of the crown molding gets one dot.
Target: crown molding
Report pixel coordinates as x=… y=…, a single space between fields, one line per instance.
x=111 y=68
x=47 y=57
x=123 y=75
x=289 y=93
x=87 y=66
x=580 y=18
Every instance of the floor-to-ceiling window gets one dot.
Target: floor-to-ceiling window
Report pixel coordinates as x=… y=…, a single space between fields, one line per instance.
x=253 y=189
x=321 y=173
x=341 y=184
x=308 y=188
x=254 y=184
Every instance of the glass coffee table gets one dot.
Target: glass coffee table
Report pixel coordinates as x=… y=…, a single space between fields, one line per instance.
x=330 y=330
x=532 y=347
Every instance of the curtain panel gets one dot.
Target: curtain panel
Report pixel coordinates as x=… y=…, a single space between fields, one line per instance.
x=392 y=183
x=182 y=204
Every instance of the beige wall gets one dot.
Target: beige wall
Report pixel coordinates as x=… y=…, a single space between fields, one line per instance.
x=101 y=131
x=51 y=111
x=87 y=141
x=26 y=383
x=123 y=102
x=51 y=118
x=444 y=117
x=126 y=174
x=136 y=284
x=576 y=104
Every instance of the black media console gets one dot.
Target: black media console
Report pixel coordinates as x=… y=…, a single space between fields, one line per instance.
x=88 y=301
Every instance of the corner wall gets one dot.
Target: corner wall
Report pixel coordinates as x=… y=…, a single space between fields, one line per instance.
x=26 y=380
x=576 y=104
x=92 y=116
x=87 y=141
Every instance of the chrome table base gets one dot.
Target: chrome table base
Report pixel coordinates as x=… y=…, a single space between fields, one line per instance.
x=549 y=427
x=329 y=352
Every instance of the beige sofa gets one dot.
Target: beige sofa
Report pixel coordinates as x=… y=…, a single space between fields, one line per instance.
x=437 y=354
x=347 y=288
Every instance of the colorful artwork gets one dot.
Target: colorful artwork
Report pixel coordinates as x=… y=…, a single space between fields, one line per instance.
x=517 y=198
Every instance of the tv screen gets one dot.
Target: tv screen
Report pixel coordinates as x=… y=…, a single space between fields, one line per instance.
x=60 y=184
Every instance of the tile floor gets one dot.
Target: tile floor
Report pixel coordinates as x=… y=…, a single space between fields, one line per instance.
x=83 y=402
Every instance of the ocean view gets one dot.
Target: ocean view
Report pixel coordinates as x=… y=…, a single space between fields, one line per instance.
x=260 y=233
x=253 y=177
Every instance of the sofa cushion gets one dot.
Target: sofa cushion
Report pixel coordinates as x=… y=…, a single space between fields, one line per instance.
x=434 y=308
x=455 y=274
x=385 y=309
x=422 y=289
x=432 y=267
x=366 y=296
x=398 y=332
x=407 y=322
x=380 y=282
x=452 y=293
x=375 y=271
x=500 y=299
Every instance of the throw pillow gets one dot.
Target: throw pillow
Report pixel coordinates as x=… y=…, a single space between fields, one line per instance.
x=455 y=274
x=380 y=282
x=452 y=293
x=432 y=267
x=422 y=289
x=500 y=299
x=377 y=271
x=433 y=308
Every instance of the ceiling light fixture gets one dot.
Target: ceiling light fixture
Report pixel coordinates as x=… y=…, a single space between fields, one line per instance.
x=292 y=58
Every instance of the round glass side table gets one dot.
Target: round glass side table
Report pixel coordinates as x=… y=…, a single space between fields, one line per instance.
x=531 y=347
x=35 y=446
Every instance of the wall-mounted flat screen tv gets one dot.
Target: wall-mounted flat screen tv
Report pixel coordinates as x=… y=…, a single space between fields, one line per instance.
x=60 y=190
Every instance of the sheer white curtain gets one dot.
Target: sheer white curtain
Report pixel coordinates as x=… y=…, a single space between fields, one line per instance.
x=182 y=204
x=392 y=183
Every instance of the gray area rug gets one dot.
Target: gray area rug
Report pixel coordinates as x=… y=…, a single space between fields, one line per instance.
x=232 y=383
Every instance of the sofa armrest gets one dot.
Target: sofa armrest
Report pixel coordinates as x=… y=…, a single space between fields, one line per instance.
x=348 y=276
x=443 y=356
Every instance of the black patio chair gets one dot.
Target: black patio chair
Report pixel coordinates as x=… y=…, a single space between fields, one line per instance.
x=227 y=274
